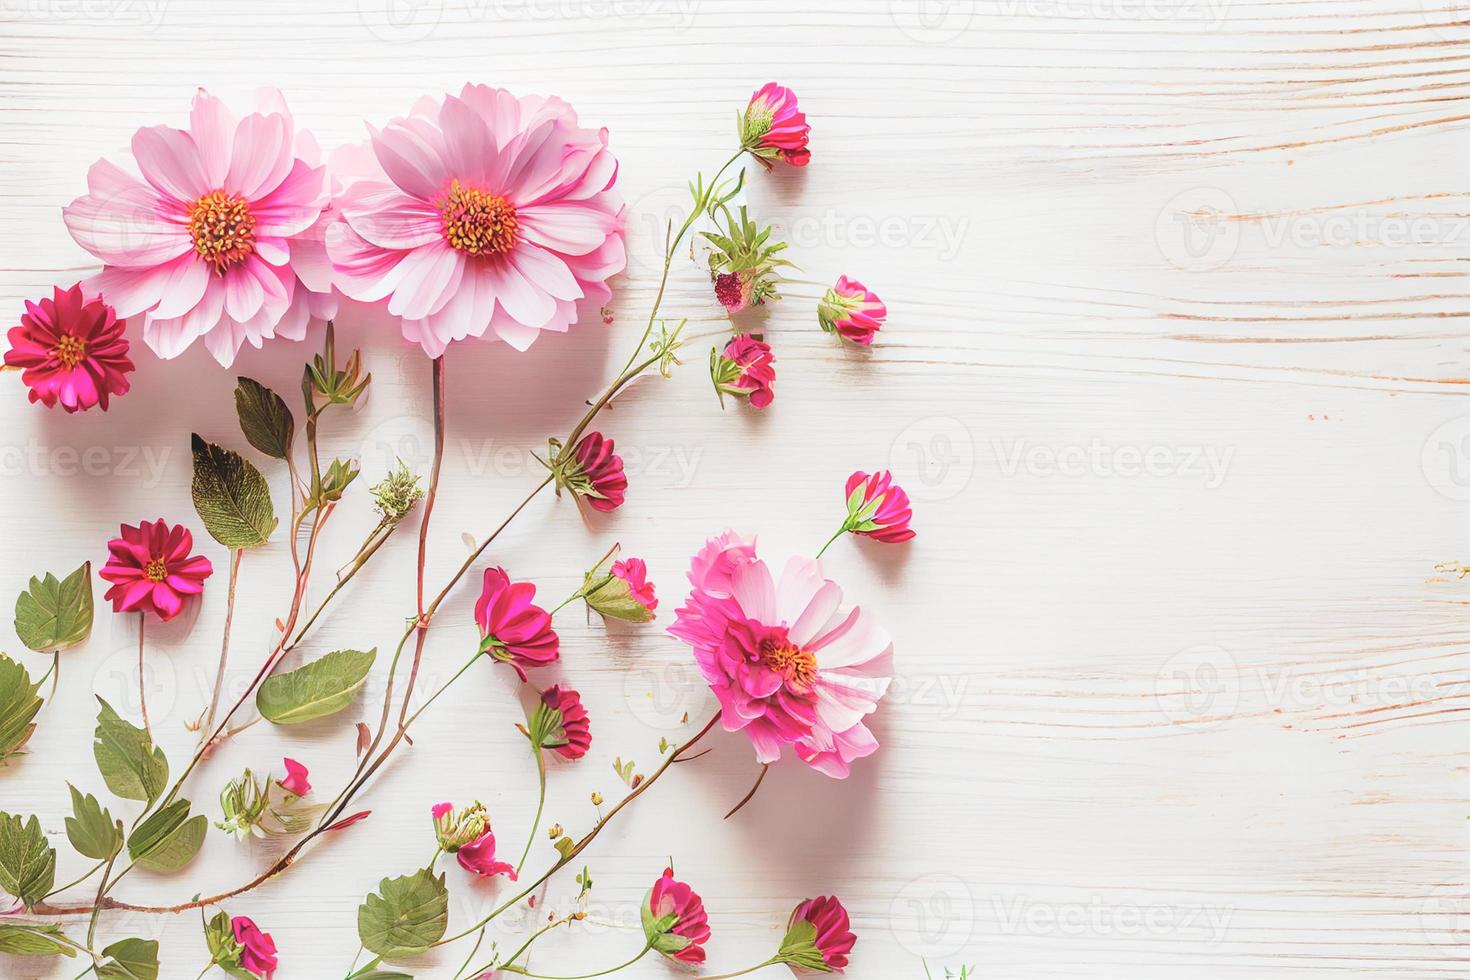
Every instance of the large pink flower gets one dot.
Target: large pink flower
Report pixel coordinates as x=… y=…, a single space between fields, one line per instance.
x=514 y=629
x=204 y=242
x=788 y=667
x=480 y=213
x=151 y=570
x=70 y=349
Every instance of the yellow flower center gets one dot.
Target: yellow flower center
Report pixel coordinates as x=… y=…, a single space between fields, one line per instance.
x=156 y=571
x=478 y=223
x=223 y=229
x=798 y=666
x=69 y=350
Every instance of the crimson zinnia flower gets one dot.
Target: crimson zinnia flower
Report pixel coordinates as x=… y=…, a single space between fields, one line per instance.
x=569 y=733
x=596 y=473
x=674 y=922
x=71 y=350
x=746 y=370
x=774 y=127
x=513 y=629
x=818 y=937
x=151 y=570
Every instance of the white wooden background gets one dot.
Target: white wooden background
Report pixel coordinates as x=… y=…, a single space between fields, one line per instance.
x=1174 y=373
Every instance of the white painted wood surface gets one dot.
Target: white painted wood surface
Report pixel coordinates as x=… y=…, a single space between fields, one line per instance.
x=1174 y=373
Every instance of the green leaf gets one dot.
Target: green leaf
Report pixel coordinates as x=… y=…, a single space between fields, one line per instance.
x=27 y=861
x=168 y=839
x=321 y=688
x=130 y=959
x=405 y=916
x=799 y=949
x=19 y=703
x=32 y=939
x=133 y=767
x=52 y=615
x=231 y=496
x=264 y=418
x=91 y=829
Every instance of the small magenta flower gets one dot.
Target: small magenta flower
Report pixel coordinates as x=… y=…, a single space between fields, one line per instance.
x=71 y=351
x=151 y=570
x=466 y=834
x=296 y=782
x=852 y=311
x=623 y=592
x=597 y=473
x=818 y=937
x=478 y=857
x=560 y=723
x=513 y=629
x=746 y=369
x=674 y=921
x=878 y=508
x=773 y=127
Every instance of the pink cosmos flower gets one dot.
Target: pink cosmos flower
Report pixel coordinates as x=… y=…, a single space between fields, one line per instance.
x=788 y=667
x=852 y=310
x=482 y=213
x=878 y=508
x=575 y=731
x=678 y=926
x=513 y=629
x=258 y=950
x=295 y=782
x=596 y=473
x=204 y=242
x=634 y=571
x=151 y=570
x=71 y=350
x=745 y=369
x=833 y=939
x=479 y=857
x=774 y=127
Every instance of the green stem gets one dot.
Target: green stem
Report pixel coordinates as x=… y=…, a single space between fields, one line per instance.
x=207 y=967
x=433 y=697
x=537 y=935
x=142 y=681
x=840 y=532
x=72 y=884
x=540 y=805
x=740 y=973
x=569 y=599
x=224 y=648
x=580 y=976
x=97 y=902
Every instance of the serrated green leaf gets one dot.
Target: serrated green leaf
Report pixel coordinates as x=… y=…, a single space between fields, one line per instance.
x=231 y=496
x=33 y=939
x=321 y=688
x=168 y=839
x=19 y=703
x=53 y=615
x=91 y=829
x=264 y=418
x=133 y=767
x=27 y=861
x=130 y=959
x=405 y=916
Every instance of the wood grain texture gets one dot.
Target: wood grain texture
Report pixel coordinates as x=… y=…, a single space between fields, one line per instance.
x=1174 y=373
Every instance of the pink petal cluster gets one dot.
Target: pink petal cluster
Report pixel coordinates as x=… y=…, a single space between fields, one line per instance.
x=788 y=667
x=634 y=571
x=575 y=727
x=204 y=242
x=670 y=897
x=513 y=628
x=151 y=570
x=834 y=938
x=878 y=508
x=479 y=214
x=479 y=857
x=258 y=950
x=71 y=350
x=774 y=127
x=852 y=311
x=746 y=369
x=296 y=782
x=597 y=474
